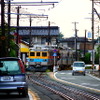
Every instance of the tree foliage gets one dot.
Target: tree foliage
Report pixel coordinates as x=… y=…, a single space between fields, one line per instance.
x=60 y=36
x=97 y=55
x=87 y=59
x=8 y=45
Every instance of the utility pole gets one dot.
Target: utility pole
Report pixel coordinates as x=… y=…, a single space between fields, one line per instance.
x=30 y=35
x=92 y=34
x=85 y=43
x=9 y=8
x=75 y=40
x=2 y=17
x=48 y=33
x=99 y=48
x=17 y=31
x=2 y=37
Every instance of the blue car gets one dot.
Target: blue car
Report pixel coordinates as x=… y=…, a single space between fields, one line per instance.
x=12 y=76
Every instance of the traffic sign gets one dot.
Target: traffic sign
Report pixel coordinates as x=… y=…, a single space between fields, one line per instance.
x=55 y=50
x=55 y=54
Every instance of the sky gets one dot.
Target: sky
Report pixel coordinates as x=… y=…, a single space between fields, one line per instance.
x=63 y=15
x=70 y=11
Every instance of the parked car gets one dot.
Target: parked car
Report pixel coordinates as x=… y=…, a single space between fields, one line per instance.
x=78 y=67
x=12 y=76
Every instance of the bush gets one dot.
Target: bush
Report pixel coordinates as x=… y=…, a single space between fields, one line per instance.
x=87 y=58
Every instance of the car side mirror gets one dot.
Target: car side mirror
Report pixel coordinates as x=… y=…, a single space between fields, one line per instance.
x=1 y=64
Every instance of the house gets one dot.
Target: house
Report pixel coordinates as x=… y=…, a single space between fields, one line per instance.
x=81 y=42
x=24 y=49
x=97 y=43
x=81 y=45
x=28 y=36
x=38 y=34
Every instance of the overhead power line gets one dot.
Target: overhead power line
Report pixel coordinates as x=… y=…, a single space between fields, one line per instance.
x=32 y=3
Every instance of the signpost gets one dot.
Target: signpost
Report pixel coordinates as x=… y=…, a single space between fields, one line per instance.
x=54 y=68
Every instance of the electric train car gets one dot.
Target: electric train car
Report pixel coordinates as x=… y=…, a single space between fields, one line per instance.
x=41 y=58
x=66 y=58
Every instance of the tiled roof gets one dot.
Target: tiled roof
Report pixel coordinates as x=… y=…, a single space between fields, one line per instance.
x=72 y=39
x=39 y=30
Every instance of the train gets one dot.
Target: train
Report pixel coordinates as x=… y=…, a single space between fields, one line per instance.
x=67 y=57
x=45 y=57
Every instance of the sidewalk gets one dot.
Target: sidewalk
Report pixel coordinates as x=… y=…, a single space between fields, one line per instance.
x=95 y=73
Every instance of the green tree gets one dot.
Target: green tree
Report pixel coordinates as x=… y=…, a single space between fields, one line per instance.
x=60 y=36
x=96 y=58
x=97 y=55
x=87 y=58
x=10 y=46
x=13 y=48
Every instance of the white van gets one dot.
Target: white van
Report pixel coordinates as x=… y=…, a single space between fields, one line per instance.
x=78 y=66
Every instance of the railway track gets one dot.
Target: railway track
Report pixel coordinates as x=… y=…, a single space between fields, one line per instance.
x=66 y=92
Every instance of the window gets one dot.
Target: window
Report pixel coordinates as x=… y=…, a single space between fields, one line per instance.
x=79 y=64
x=44 y=54
x=10 y=67
x=38 y=54
x=32 y=54
x=43 y=40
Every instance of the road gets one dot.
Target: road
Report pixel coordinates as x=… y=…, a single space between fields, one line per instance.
x=88 y=81
x=12 y=96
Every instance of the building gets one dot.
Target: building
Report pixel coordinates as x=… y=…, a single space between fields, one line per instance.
x=81 y=45
x=28 y=36
x=23 y=49
x=38 y=34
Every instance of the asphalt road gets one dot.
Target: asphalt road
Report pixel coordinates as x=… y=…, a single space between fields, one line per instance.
x=12 y=96
x=88 y=81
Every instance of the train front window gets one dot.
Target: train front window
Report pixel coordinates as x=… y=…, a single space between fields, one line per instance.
x=38 y=54
x=44 y=54
x=32 y=54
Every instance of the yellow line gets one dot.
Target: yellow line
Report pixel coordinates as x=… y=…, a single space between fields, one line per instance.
x=34 y=95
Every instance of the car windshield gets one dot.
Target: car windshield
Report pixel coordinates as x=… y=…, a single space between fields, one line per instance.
x=79 y=64
x=9 y=67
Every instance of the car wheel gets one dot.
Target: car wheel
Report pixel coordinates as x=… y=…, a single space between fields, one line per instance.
x=84 y=74
x=73 y=73
x=25 y=93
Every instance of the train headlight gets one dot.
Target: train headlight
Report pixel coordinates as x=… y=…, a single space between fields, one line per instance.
x=45 y=60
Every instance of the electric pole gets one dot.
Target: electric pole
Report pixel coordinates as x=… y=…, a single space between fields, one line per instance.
x=17 y=31
x=30 y=35
x=2 y=37
x=2 y=17
x=85 y=43
x=92 y=34
x=76 y=56
x=99 y=48
x=9 y=8
x=48 y=40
